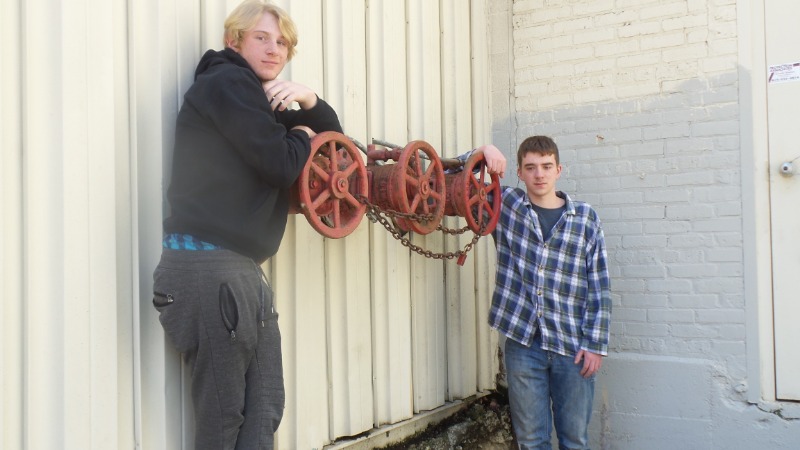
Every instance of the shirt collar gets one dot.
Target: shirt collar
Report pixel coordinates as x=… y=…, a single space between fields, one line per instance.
x=569 y=205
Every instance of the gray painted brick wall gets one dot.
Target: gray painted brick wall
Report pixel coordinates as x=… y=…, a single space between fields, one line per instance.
x=624 y=88
x=642 y=97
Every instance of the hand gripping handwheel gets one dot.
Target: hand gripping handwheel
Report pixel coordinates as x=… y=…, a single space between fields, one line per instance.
x=330 y=183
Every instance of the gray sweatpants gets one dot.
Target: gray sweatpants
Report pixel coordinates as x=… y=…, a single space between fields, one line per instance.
x=216 y=308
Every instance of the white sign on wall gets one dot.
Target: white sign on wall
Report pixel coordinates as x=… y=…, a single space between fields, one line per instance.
x=782 y=73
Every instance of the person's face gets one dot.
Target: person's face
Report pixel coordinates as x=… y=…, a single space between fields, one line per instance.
x=539 y=173
x=264 y=48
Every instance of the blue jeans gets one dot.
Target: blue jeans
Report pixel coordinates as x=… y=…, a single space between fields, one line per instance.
x=538 y=377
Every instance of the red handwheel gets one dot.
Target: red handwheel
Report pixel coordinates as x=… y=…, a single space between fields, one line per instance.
x=472 y=197
x=419 y=178
x=328 y=186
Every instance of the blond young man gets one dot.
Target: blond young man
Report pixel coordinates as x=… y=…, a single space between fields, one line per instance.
x=238 y=150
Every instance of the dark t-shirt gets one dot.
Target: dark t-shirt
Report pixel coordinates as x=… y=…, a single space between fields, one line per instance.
x=548 y=218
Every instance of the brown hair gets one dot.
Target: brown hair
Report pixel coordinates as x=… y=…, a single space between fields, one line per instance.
x=541 y=145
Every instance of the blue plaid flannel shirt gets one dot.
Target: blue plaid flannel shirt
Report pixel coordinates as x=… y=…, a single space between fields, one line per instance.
x=560 y=286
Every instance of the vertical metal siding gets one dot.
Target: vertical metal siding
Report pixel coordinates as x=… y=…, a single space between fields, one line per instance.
x=371 y=332
x=124 y=241
x=457 y=109
x=347 y=260
x=391 y=296
x=298 y=275
x=428 y=333
x=59 y=277
x=483 y=258
x=43 y=222
x=12 y=351
x=156 y=86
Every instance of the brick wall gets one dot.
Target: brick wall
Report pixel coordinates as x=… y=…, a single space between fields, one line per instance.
x=642 y=98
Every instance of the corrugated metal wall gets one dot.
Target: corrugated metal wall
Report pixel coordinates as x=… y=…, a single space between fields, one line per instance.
x=89 y=91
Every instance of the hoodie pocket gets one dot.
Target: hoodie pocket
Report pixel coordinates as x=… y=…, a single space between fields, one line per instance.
x=228 y=309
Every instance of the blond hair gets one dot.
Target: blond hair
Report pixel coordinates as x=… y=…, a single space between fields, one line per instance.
x=245 y=16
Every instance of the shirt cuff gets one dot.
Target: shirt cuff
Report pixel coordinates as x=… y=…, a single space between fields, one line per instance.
x=462 y=158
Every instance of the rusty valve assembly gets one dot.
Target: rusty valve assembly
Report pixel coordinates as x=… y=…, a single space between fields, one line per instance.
x=336 y=189
x=328 y=189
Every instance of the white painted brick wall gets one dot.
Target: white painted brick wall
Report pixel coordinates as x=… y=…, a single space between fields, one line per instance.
x=642 y=98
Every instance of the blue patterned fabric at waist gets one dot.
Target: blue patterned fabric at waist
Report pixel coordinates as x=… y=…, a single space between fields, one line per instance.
x=178 y=241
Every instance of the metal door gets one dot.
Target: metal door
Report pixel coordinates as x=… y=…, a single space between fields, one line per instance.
x=783 y=98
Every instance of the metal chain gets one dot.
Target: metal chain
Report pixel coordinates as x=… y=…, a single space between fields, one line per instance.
x=454 y=232
x=382 y=216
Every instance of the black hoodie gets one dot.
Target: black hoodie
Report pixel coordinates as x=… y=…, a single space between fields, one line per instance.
x=235 y=159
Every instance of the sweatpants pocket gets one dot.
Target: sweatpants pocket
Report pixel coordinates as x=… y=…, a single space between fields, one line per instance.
x=228 y=309
x=161 y=301
x=232 y=314
x=175 y=315
x=270 y=361
x=178 y=310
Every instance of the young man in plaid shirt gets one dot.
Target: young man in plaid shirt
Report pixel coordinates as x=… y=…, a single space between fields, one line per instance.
x=551 y=299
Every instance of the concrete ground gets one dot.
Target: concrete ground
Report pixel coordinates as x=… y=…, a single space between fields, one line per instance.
x=484 y=425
